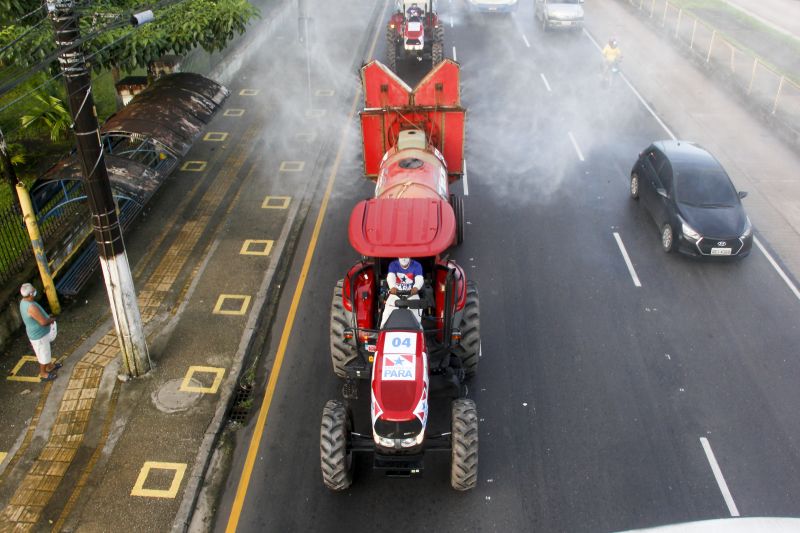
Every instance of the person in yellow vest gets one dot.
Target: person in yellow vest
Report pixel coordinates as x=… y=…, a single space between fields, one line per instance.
x=41 y=329
x=612 y=55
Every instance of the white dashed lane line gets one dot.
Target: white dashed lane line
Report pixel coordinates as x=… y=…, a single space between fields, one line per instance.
x=524 y=38
x=723 y=487
x=464 y=180
x=546 y=83
x=627 y=259
x=575 y=145
x=451 y=21
x=455 y=57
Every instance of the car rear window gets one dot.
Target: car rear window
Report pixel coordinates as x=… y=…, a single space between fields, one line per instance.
x=704 y=186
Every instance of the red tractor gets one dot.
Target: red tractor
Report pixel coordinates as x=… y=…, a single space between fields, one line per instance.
x=413 y=148
x=414 y=31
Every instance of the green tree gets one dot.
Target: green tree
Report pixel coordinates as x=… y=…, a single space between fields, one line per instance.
x=47 y=114
x=179 y=26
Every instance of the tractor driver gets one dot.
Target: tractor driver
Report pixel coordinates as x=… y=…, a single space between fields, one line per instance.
x=414 y=11
x=405 y=275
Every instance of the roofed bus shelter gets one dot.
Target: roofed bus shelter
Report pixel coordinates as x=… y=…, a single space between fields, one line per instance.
x=143 y=143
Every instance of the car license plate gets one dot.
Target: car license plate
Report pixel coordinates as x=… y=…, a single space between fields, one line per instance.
x=720 y=251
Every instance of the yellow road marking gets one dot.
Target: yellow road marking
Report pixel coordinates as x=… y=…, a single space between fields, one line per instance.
x=248 y=92
x=215 y=136
x=292 y=166
x=267 y=247
x=315 y=113
x=243 y=298
x=3 y=456
x=218 y=373
x=252 y=450
x=304 y=137
x=171 y=492
x=25 y=359
x=269 y=202
x=194 y=166
x=324 y=92
x=234 y=112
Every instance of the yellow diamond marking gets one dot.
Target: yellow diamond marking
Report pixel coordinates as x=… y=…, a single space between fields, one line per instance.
x=244 y=299
x=292 y=166
x=324 y=92
x=315 y=113
x=235 y=112
x=194 y=166
x=218 y=373
x=276 y=202
x=178 y=468
x=25 y=359
x=248 y=92
x=265 y=244
x=215 y=136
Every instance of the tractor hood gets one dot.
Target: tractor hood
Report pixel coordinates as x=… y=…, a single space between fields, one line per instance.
x=400 y=384
x=402 y=227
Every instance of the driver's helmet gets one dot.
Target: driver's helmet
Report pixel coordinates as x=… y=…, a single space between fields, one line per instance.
x=612 y=43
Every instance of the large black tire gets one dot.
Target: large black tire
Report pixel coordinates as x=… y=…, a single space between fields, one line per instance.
x=457 y=202
x=667 y=238
x=336 y=461
x=464 y=442
x=469 y=349
x=437 y=49
x=342 y=352
x=391 y=49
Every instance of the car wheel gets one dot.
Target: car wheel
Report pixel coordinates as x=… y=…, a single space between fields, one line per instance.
x=635 y=186
x=667 y=238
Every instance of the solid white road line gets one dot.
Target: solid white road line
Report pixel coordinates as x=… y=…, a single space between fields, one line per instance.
x=777 y=267
x=524 y=38
x=455 y=57
x=575 y=144
x=451 y=22
x=723 y=487
x=627 y=260
x=464 y=180
x=546 y=84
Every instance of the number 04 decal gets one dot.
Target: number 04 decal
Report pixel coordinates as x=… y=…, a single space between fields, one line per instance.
x=400 y=343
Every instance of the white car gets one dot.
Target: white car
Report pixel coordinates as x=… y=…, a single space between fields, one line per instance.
x=559 y=14
x=494 y=6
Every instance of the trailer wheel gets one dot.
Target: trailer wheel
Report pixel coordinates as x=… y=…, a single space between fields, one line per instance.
x=336 y=460
x=342 y=352
x=464 y=442
x=457 y=202
x=469 y=349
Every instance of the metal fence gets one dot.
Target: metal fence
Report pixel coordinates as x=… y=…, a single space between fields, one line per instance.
x=770 y=89
x=15 y=245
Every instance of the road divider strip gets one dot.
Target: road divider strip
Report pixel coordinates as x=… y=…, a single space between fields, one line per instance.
x=627 y=259
x=723 y=487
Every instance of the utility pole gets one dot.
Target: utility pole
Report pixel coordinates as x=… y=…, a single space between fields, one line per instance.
x=107 y=231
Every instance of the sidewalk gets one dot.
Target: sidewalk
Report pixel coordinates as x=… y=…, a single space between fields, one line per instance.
x=697 y=109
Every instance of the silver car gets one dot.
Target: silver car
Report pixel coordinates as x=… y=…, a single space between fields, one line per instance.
x=559 y=14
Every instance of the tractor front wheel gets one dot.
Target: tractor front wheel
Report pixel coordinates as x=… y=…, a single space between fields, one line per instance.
x=457 y=202
x=469 y=349
x=342 y=352
x=464 y=443
x=336 y=460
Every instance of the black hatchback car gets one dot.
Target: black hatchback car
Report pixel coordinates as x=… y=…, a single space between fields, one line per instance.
x=691 y=198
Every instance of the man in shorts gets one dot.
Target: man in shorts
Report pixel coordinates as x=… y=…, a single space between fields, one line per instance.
x=41 y=329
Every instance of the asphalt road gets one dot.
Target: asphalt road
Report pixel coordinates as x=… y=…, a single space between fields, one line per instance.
x=596 y=396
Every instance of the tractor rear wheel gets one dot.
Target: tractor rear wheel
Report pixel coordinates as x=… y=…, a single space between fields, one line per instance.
x=437 y=53
x=336 y=460
x=457 y=202
x=469 y=349
x=391 y=49
x=342 y=352
x=464 y=444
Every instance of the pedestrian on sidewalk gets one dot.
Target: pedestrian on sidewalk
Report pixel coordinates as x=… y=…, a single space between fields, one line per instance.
x=41 y=329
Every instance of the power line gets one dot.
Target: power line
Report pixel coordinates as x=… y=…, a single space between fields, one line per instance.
x=18 y=39
x=23 y=17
